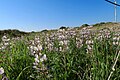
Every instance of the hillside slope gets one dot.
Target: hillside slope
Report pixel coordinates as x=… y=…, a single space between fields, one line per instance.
x=95 y=27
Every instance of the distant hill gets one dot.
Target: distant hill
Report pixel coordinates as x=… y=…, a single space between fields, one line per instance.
x=13 y=33
x=98 y=26
x=102 y=25
x=110 y=25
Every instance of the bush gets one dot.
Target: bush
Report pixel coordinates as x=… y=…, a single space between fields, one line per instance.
x=99 y=24
x=62 y=27
x=85 y=25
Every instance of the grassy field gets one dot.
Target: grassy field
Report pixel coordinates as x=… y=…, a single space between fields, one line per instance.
x=80 y=53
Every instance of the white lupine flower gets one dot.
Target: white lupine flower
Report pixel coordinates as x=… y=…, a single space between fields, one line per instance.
x=31 y=47
x=35 y=48
x=89 y=42
x=117 y=43
x=1 y=70
x=40 y=54
x=60 y=48
x=35 y=63
x=39 y=47
x=35 y=67
x=3 y=47
x=36 y=60
x=4 y=78
x=34 y=52
x=61 y=42
x=4 y=38
x=114 y=43
x=46 y=42
x=38 y=41
x=6 y=44
x=28 y=48
x=44 y=57
x=7 y=39
x=33 y=43
x=65 y=42
x=115 y=38
x=118 y=39
x=41 y=59
x=88 y=46
x=36 y=56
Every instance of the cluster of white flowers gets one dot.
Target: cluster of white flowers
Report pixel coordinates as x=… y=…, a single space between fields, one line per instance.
x=82 y=36
x=116 y=39
x=36 y=51
x=85 y=33
x=79 y=42
x=1 y=70
x=16 y=38
x=104 y=33
x=86 y=38
x=89 y=45
x=5 y=42
x=62 y=36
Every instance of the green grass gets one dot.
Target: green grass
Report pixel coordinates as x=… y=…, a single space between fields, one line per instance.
x=72 y=64
x=15 y=60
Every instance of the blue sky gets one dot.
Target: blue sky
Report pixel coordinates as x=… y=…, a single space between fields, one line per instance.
x=37 y=15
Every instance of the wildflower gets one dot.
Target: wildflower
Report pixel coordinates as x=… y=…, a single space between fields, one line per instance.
x=44 y=57
x=4 y=77
x=41 y=59
x=39 y=47
x=4 y=38
x=35 y=48
x=89 y=47
x=38 y=41
x=1 y=70
x=60 y=48
x=89 y=42
x=36 y=60
x=114 y=43
x=6 y=44
x=117 y=43
x=31 y=47
x=118 y=39
x=115 y=38
x=40 y=54
x=35 y=67
x=61 y=42
x=35 y=63
x=36 y=56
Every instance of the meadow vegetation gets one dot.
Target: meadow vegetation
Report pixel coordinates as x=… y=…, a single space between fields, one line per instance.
x=64 y=54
